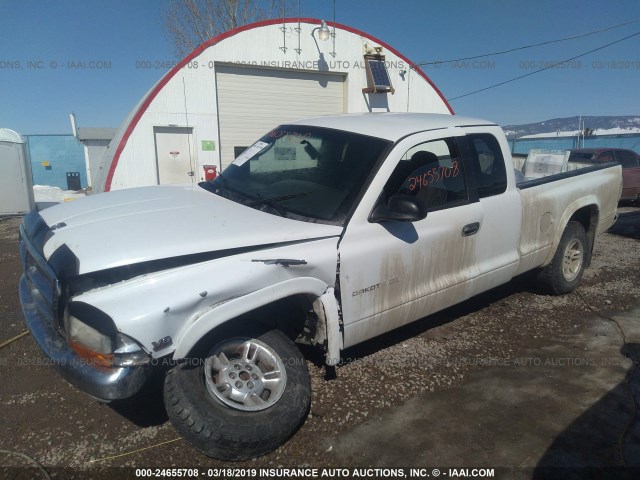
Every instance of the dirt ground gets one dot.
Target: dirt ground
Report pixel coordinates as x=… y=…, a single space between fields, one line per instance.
x=72 y=435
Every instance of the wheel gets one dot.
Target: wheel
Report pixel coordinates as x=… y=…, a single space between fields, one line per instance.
x=244 y=399
x=565 y=271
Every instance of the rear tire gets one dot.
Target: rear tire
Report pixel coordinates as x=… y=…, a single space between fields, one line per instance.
x=244 y=399
x=565 y=271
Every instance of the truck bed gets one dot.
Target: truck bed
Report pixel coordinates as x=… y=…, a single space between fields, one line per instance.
x=545 y=200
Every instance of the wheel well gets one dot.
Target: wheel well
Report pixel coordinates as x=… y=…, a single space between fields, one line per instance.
x=588 y=217
x=288 y=315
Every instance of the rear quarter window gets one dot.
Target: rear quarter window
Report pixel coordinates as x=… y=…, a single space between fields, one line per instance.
x=491 y=176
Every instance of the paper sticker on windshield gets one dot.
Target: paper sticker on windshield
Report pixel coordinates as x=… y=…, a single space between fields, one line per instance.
x=250 y=152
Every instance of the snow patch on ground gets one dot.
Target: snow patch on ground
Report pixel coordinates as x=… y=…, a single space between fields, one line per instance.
x=45 y=195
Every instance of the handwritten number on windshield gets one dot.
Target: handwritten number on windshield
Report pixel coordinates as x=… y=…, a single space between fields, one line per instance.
x=290 y=137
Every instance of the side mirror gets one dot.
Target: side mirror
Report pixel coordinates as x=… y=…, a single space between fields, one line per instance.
x=399 y=208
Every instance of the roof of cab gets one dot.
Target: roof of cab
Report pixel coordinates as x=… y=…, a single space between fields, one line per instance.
x=391 y=126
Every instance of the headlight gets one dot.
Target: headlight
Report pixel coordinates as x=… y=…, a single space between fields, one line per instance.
x=87 y=336
x=115 y=350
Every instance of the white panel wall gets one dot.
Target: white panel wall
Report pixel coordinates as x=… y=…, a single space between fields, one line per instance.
x=262 y=46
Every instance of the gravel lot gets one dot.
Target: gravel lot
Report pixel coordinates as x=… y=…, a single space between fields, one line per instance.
x=45 y=418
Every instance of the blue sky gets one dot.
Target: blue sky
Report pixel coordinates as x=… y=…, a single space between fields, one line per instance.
x=50 y=34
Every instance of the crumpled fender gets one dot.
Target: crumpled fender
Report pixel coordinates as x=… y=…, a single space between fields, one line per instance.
x=230 y=309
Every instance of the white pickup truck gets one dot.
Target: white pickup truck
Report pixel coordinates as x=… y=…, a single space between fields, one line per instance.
x=327 y=231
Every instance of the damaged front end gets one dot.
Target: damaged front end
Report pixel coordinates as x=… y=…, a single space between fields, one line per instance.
x=81 y=341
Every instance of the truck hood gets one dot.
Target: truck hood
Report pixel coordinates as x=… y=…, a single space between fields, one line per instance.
x=151 y=223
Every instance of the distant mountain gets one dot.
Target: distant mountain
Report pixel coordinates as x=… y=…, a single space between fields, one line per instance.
x=602 y=125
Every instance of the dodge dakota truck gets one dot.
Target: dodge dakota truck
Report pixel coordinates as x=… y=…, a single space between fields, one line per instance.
x=327 y=231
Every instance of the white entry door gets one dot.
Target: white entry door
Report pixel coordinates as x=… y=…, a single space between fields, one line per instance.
x=175 y=155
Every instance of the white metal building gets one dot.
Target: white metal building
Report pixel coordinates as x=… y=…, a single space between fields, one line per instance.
x=95 y=142
x=237 y=86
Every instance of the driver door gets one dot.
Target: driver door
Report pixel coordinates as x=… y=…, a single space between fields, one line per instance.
x=393 y=272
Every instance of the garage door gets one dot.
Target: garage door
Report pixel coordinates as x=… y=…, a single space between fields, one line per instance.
x=251 y=101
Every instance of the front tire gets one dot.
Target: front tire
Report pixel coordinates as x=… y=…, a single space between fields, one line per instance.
x=244 y=399
x=565 y=271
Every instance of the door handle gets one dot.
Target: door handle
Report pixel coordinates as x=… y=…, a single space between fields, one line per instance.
x=470 y=229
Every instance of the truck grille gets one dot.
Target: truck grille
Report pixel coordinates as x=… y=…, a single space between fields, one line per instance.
x=41 y=279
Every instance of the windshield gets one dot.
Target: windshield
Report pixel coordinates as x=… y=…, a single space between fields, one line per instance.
x=300 y=172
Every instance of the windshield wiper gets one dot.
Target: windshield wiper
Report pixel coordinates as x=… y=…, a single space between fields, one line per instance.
x=224 y=186
x=271 y=201
x=278 y=198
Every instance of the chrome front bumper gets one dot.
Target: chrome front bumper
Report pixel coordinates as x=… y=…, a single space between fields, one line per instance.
x=39 y=296
x=100 y=382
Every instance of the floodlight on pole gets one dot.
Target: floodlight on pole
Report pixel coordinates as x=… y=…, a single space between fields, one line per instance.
x=323 y=32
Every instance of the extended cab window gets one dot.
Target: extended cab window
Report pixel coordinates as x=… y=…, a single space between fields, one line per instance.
x=491 y=176
x=431 y=172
